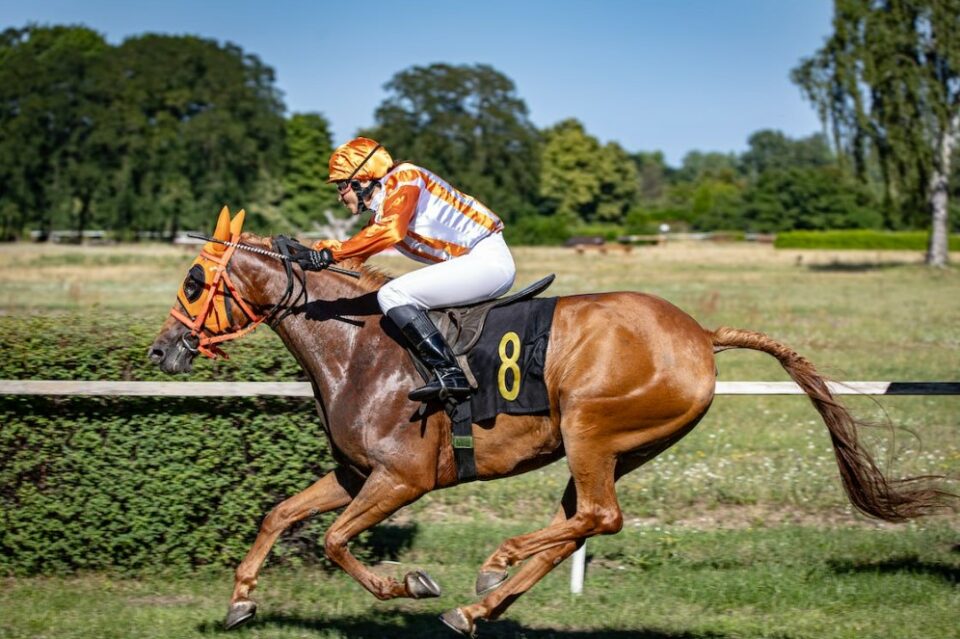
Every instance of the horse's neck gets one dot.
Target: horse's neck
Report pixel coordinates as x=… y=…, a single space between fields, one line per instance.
x=338 y=340
x=334 y=333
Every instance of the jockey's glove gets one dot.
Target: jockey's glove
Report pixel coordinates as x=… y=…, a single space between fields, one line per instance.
x=314 y=260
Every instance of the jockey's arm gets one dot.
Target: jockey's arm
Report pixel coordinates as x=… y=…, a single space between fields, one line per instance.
x=383 y=231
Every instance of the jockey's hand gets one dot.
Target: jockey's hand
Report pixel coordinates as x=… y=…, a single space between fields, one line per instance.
x=314 y=260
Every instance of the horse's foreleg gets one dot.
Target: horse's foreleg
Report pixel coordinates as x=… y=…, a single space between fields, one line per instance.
x=381 y=496
x=334 y=490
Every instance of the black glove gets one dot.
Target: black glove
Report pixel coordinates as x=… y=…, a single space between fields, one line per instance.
x=314 y=260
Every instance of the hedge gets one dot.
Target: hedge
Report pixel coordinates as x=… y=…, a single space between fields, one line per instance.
x=138 y=484
x=860 y=239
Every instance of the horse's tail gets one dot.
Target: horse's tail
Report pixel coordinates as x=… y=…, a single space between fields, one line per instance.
x=865 y=485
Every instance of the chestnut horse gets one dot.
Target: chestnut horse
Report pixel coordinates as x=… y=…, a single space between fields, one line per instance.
x=627 y=376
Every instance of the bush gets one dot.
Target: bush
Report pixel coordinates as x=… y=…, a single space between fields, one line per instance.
x=860 y=239
x=537 y=230
x=609 y=232
x=140 y=483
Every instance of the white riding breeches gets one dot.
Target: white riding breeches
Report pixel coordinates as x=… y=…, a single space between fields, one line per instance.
x=486 y=271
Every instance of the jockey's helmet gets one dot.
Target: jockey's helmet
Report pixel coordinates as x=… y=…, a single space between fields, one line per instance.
x=359 y=159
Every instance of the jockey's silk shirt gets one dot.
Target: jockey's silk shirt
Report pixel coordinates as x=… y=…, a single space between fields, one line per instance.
x=422 y=216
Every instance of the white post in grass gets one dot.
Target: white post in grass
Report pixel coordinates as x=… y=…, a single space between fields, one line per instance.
x=579 y=560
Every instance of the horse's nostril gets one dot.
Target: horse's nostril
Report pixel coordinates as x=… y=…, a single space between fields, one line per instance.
x=156 y=354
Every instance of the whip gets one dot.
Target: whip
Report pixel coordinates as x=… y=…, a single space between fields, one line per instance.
x=263 y=251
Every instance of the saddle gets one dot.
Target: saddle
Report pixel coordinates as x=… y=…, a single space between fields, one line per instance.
x=462 y=326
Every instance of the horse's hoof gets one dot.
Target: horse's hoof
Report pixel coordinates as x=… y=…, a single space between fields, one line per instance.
x=420 y=585
x=239 y=613
x=488 y=581
x=458 y=622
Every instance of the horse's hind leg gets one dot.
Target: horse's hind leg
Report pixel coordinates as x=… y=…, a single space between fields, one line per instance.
x=334 y=490
x=382 y=495
x=596 y=511
x=533 y=570
x=497 y=601
x=589 y=508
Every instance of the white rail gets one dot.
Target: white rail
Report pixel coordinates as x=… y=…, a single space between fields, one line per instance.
x=303 y=389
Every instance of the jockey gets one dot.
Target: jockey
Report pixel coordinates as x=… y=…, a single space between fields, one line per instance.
x=430 y=221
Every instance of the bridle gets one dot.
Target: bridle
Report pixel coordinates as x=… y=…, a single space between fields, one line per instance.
x=207 y=339
x=222 y=284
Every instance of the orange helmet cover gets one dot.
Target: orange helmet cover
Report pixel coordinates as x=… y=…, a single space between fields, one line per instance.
x=346 y=159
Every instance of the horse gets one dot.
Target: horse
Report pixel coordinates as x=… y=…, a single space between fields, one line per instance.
x=627 y=374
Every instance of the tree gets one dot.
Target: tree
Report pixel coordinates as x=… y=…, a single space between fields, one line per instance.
x=653 y=174
x=887 y=82
x=306 y=192
x=467 y=124
x=808 y=198
x=619 y=183
x=569 y=173
x=58 y=139
x=769 y=149
x=204 y=127
x=580 y=180
x=698 y=165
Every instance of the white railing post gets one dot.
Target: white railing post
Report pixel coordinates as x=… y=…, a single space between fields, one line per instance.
x=579 y=561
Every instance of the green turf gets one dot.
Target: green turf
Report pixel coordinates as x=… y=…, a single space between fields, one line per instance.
x=740 y=530
x=648 y=582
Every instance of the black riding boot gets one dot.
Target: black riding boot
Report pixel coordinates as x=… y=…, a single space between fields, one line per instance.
x=433 y=350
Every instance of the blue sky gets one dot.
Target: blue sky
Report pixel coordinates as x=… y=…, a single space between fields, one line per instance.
x=675 y=75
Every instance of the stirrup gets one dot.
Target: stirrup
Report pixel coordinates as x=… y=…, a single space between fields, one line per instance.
x=435 y=389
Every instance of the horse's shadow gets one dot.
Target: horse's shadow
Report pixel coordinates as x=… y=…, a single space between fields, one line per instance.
x=407 y=625
x=854 y=267
x=906 y=564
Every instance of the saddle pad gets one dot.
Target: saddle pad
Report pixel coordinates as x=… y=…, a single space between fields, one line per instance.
x=509 y=359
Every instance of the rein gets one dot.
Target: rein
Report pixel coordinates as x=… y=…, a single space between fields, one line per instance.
x=207 y=340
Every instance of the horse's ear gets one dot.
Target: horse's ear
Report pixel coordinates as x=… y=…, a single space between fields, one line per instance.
x=222 y=233
x=237 y=223
x=223 y=225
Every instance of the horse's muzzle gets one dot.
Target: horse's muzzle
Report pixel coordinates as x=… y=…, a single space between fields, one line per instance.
x=174 y=351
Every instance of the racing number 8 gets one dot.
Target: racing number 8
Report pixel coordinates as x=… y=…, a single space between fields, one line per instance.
x=509 y=363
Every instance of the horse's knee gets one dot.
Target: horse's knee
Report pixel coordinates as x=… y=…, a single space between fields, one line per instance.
x=334 y=545
x=276 y=520
x=601 y=521
x=610 y=522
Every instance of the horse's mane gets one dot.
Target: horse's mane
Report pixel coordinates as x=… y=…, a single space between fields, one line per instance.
x=371 y=277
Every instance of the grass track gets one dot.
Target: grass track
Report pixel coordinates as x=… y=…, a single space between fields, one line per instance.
x=654 y=583
x=741 y=530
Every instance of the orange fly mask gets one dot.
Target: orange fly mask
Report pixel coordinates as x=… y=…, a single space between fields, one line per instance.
x=208 y=299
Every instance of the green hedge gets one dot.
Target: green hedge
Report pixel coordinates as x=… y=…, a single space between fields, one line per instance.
x=145 y=483
x=859 y=239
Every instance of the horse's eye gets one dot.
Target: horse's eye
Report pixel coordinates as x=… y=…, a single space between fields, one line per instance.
x=193 y=284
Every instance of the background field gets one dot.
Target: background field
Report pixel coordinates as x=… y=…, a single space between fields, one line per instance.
x=741 y=530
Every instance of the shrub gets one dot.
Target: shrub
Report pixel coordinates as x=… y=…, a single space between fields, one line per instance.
x=859 y=239
x=139 y=483
x=609 y=232
x=538 y=230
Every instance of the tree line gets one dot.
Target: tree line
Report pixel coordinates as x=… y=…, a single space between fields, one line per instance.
x=156 y=133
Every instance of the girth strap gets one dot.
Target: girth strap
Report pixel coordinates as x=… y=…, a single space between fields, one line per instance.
x=463 y=452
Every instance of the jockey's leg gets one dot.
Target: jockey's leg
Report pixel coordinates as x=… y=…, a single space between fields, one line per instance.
x=433 y=350
x=487 y=271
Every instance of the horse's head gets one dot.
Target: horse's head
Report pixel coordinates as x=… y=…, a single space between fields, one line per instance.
x=209 y=310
